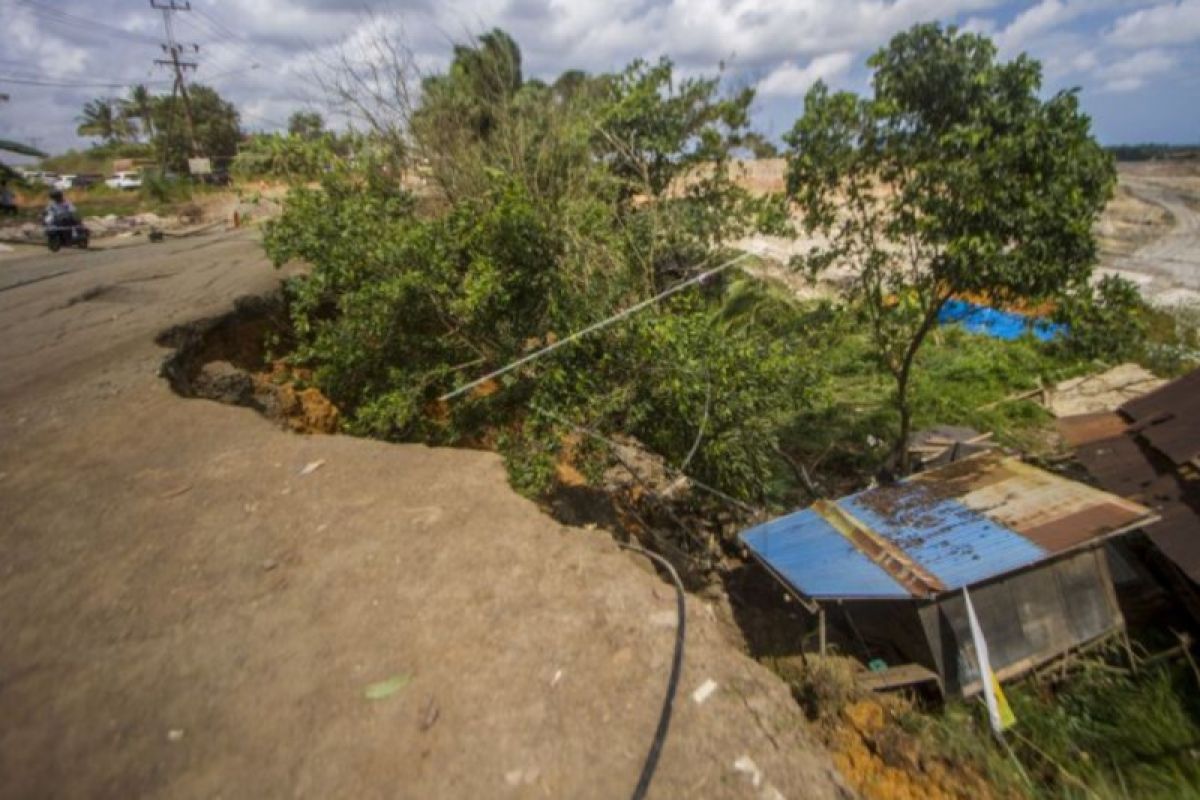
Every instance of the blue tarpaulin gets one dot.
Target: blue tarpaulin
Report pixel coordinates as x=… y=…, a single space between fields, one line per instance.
x=1007 y=325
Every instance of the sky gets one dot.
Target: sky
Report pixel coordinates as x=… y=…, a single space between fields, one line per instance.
x=1136 y=62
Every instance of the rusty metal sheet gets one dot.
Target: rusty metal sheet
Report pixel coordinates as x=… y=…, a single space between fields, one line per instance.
x=1169 y=418
x=1051 y=511
x=1073 y=529
x=1178 y=537
x=1126 y=467
x=954 y=526
x=1084 y=428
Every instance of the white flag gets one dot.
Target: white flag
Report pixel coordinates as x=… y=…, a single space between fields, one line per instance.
x=999 y=713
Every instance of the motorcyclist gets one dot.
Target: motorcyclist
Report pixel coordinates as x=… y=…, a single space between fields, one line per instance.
x=8 y=202
x=60 y=212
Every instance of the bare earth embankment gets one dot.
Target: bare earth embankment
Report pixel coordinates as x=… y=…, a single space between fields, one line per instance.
x=1149 y=233
x=193 y=602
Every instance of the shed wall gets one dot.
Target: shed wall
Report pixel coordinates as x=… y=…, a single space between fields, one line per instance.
x=1027 y=618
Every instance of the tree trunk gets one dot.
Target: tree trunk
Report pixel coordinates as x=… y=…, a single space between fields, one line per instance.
x=903 y=378
x=902 y=456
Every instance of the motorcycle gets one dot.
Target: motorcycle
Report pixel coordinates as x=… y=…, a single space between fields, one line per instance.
x=65 y=230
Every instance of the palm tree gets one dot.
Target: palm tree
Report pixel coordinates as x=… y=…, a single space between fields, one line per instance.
x=97 y=119
x=141 y=105
x=106 y=118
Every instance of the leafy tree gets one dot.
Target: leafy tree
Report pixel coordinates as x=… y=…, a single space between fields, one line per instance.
x=954 y=177
x=482 y=78
x=759 y=145
x=654 y=128
x=105 y=118
x=558 y=205
x=306 y=124
x=215 y=121
x=291 y=157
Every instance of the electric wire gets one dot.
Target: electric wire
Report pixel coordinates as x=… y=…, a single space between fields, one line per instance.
x=673 y=471
x=58 y=16
x=664 y=717
x=604 y=323
x=22 y=81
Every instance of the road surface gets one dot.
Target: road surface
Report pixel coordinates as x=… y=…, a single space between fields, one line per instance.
x=186 y=612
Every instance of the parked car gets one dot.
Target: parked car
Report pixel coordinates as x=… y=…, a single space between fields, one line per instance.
x=124 y=180
x=84 y=181
x=65 y=182
x=50 y=179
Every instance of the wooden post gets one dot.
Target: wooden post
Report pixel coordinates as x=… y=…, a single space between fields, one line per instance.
x=821 y=628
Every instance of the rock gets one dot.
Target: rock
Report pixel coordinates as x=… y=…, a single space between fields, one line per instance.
x=222 y=381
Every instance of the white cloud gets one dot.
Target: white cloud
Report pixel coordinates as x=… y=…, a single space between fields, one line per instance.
x=791 y=42
x=1133 y=72
x=789 y=80
x=1045 y=15
x=1172 y=23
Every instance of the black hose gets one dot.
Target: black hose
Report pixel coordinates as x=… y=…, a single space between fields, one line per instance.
x=664 y=719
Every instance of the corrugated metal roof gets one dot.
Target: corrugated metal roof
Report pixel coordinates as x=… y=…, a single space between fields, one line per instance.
x=810 y=554
x=960 y=524
x=1131 y=469
x=1169 y=418
x=1083 y=428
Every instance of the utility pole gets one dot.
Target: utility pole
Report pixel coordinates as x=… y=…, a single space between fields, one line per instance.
x=174 y=49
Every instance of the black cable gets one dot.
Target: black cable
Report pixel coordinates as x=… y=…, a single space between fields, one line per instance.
x=664 y=719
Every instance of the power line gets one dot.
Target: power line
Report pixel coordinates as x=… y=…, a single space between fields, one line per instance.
x=76 y=84
x=60 y=17
x=221 y=27
x=604 y=323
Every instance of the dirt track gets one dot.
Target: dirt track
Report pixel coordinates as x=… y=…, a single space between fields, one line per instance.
x=183 y=613
x=1167 y=268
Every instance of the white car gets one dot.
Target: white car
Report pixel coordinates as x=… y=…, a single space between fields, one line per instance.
x=124 y=180
x=65 y=182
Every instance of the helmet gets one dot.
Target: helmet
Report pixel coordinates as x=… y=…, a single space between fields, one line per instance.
x=56 y=195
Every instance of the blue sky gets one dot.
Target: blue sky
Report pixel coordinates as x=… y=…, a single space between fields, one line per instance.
x=1137 y=62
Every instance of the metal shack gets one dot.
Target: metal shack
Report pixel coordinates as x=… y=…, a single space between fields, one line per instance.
x=1149 y=451
x=894 y=561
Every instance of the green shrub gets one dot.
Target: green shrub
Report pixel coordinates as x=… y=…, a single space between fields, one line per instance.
x=1106 y=322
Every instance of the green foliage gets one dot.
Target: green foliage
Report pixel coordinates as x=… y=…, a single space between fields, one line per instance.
x=306 y=124
x=759 y=146
x=954 y=177
x=215 y=123
x=1101 y=734
x=1172 y=341
x=541 y=235
x=294 y=157
x=159 y=189
x=107 y=119
x=960 y=379
x=1107 y=321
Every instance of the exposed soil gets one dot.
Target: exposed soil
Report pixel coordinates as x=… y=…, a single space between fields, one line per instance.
x=1149 y=233
x=225 y=358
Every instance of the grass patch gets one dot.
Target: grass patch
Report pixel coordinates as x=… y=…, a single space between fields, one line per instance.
x=1102 y=733
x=960 y=379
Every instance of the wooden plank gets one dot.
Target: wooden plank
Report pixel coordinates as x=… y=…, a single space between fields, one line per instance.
x=896 y=677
